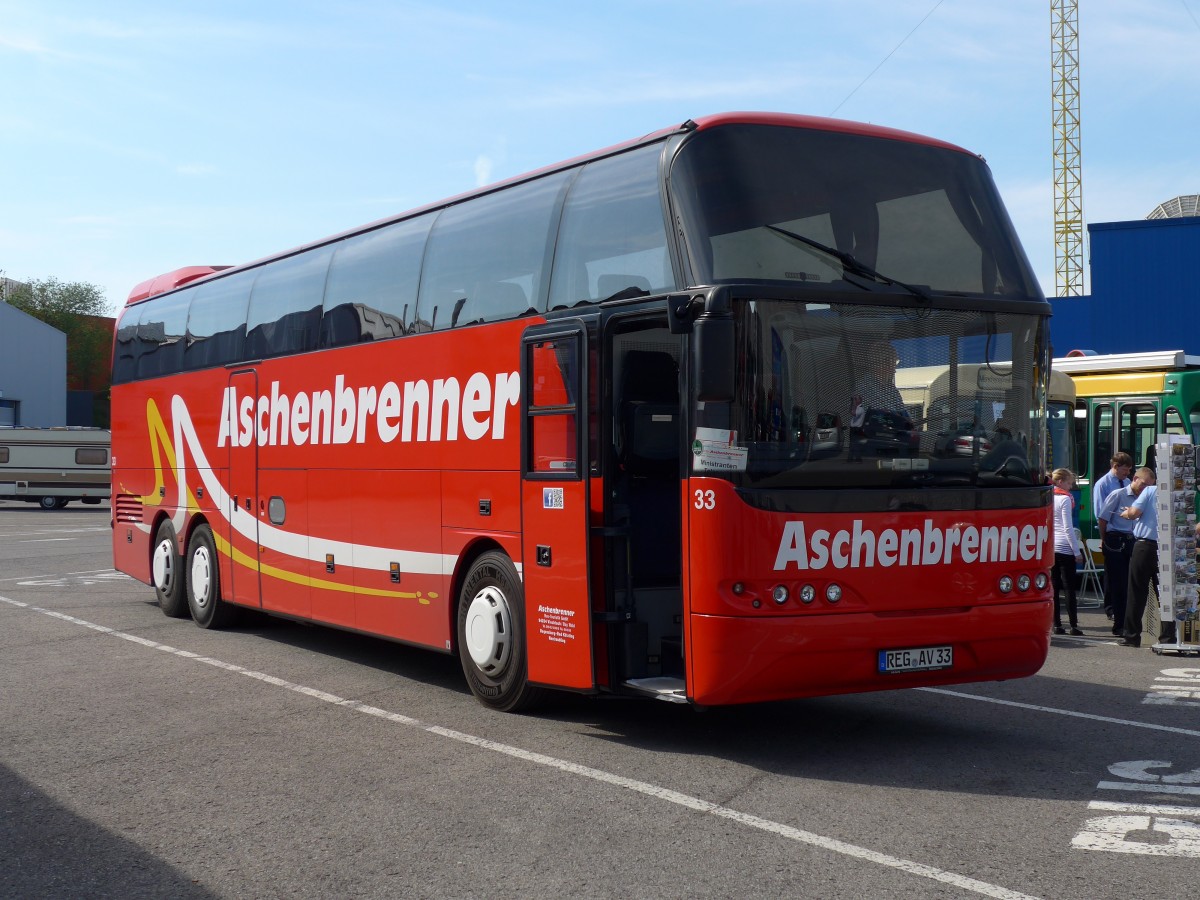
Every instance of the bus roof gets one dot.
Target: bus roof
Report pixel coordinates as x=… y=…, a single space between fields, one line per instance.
x=1096 y=364
x=169 y=281
x=160 y=284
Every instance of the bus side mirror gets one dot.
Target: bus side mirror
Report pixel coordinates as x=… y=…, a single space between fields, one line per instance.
x=712 y=358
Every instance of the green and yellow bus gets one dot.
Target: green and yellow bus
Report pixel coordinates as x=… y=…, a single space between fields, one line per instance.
x=970 y=414
x=1123 y=401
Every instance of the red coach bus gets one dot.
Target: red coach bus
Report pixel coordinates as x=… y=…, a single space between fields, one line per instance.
x=625 y=424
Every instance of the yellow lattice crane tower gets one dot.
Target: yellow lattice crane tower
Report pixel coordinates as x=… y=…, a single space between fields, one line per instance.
x=1068 y=187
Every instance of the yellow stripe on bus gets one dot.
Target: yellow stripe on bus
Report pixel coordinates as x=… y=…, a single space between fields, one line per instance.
x=246 y=561
x=1122 y=383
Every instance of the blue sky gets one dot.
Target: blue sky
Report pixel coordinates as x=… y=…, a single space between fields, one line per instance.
x=139 y=137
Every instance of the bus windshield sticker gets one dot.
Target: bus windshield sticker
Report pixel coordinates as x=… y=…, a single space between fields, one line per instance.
x=714 y=450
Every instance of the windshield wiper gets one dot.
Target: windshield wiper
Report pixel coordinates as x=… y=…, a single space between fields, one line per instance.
x=850 y=263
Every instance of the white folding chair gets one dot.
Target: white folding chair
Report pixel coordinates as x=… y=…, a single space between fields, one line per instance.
x=1092 y=572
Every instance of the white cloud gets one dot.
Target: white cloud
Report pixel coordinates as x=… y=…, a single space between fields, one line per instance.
x=483 y=170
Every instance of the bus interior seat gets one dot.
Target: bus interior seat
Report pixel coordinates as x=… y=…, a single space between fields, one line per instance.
x=294 y=332
x=341 y=325
x=608 y=286
x=379 y=325
x=498 y=300
x=216 y=349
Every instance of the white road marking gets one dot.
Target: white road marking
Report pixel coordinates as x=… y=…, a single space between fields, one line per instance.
x=1150 y=809
x=45 y=540
x=933 y=873
x=85 y=572
x=17 y=534
x=1172 y=837
x=1189 y=732
x=72 y=580
x=1149 y=788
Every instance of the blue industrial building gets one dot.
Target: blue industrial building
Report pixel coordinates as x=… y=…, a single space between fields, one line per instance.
x=33 y=370
x=1145 y=293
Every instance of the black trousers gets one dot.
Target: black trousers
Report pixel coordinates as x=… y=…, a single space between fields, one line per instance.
x=1117 y=551
x=1063 y=578
x=1143 y=571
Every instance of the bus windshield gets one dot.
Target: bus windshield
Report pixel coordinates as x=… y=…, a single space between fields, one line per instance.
x=836 y=395
x=839 y=210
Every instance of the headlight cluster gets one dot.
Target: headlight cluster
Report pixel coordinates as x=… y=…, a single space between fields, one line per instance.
x=1023 y=582
x=782 y=594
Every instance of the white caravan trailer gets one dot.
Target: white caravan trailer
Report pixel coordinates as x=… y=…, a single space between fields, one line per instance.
x=53 y=466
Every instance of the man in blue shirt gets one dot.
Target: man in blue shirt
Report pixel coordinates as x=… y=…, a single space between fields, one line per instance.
x=1143 y=563
x=1117 y=476
x=1116 y=541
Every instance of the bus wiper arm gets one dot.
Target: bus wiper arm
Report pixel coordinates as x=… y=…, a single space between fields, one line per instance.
x=850 y=263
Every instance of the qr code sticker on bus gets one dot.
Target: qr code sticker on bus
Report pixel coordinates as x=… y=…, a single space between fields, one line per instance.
x=552 y=498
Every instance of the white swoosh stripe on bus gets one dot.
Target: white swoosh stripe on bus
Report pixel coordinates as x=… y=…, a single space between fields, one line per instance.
x=298 y=546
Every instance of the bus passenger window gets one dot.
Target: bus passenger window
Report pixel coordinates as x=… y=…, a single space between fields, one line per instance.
x=1102 y=442
x=1174 y=422
x=160 y=334
x=125 y=357
x=285 y=305
x=612 y=237
x=371 y=291
x=497 y=239
x=216 y=332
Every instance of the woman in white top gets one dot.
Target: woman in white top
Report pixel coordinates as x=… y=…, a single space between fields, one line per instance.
x=1066 y=550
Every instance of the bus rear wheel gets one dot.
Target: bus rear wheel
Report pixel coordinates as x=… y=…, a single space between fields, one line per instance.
x=204 y=581
x=167 y=571
x=491 y=635
x=53 y=502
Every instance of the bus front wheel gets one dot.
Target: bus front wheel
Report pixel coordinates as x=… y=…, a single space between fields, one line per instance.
x=491 y=635
x=204 y=581
x=166 y=568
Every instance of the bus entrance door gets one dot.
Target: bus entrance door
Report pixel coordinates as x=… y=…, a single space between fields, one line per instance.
x=242 y=523
x=554 y=501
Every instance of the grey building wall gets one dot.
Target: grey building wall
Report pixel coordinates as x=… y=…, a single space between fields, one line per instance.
x=33 y=371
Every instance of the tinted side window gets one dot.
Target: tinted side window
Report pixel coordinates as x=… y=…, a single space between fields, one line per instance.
x=613 y=237
x=371 y=292
x=125 y=352
x=1081 y=439
x=3 y=454
x=91 y=456
x=1174 y=422
x=216 y=325
x=1102 y=439
x=487 y=258
x=161 y=332
x=285 y=305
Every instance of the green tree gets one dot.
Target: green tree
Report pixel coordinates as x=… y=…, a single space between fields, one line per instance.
x=77 y=309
